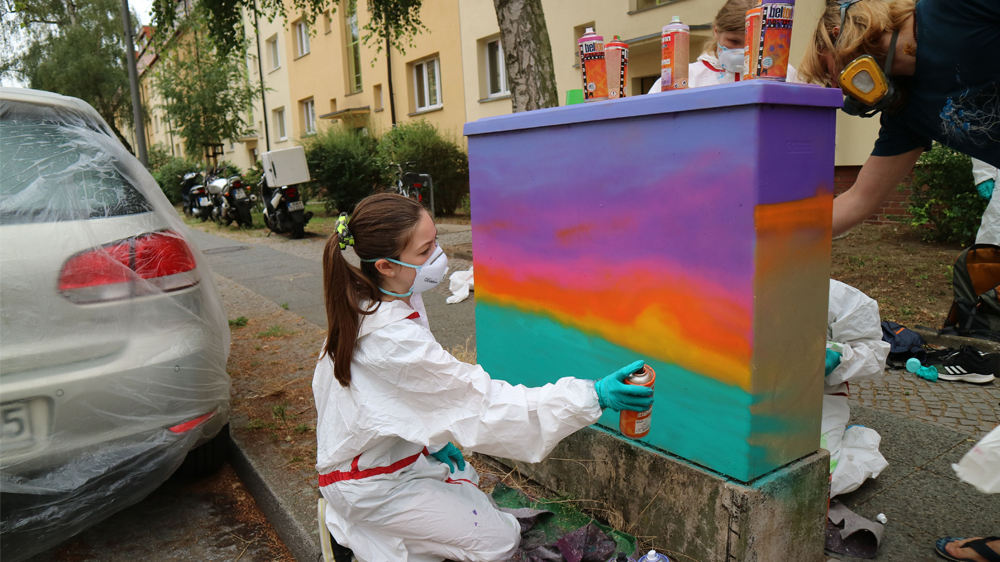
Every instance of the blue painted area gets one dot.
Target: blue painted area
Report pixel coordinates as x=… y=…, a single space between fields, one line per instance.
x=694 y=417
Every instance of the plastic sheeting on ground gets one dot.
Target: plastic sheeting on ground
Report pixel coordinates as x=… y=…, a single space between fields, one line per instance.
x=461 y=282
x=981 y=465
x=115 y=341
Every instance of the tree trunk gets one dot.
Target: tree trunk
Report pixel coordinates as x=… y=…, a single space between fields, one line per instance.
x=528 y=53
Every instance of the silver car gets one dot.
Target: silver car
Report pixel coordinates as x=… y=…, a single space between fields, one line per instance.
x=113 y=338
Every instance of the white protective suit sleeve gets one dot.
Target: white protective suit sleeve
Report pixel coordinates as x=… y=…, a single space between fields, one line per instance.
x=853 y=321
x=426 y=396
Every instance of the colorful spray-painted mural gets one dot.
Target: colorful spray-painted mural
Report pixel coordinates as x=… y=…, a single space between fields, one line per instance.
x=690 y=229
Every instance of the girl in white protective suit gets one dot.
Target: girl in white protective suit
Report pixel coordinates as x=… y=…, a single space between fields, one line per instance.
x=390 y=402
x=718 y=63
x=856 y=352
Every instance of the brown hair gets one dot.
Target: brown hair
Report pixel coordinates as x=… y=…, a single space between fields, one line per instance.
x=866 y=23
x=731 y=17
x=382 y=225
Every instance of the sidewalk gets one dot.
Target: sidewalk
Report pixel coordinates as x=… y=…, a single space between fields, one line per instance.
x=918 y=492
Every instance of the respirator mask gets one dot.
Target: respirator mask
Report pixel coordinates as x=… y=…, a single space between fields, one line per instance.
x=868 y=88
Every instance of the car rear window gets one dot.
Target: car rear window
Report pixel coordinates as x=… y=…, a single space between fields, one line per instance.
x=56 y=172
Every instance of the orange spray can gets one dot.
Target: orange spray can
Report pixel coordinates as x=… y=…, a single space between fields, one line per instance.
x=675 y=50
x=636 y=424
x=616 y=57
x=595 y=72
x=751 y=45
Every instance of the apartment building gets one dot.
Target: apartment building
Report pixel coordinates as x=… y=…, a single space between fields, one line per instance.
x=638 y=23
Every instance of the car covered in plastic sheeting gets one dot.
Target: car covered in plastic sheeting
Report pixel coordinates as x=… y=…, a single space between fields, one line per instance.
x=113 y=337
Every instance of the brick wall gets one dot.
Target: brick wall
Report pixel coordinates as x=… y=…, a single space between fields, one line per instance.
x=892 y=208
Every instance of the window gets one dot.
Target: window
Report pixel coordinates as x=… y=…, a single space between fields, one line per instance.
x=156 y=126
x=309 y=116
x=496 y=69
x=327 y=22
x=272 y=49
x=232 y=146
x=302 y=38
x=353 y=47
x=643 y=4
x=279 y=124
x=427 y=84
x=377 y=95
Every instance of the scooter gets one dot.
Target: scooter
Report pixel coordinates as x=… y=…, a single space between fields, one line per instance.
x=284 y=210
x=201 y=203
x=231 y=202
x=188 y=182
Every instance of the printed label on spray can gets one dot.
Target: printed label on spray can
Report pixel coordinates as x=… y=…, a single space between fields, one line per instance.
x=595 y=72
x=633 y=424
x=675 y=49
x=775 y=40
x=751 y=44
x=616 y=58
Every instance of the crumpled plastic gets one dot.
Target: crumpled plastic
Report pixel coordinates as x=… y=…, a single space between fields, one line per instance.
x=460 y=283
x=981 y=465
x=850 y=534
x=113 y=329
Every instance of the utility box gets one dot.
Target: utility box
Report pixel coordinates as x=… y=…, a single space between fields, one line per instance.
x=690 y=229
x=286 y=166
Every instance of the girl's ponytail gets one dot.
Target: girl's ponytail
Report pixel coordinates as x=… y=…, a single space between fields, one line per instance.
x=381 y=227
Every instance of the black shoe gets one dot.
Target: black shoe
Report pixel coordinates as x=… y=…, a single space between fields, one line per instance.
x=969 y=365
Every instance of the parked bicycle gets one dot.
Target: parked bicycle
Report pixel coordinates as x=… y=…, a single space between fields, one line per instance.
x=412 y=184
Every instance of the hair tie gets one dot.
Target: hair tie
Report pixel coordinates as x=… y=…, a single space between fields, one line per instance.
x=346 y=238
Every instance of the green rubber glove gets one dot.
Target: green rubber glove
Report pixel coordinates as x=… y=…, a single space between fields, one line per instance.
x=832 y=360
x=615 y=394
x=450 y=454
x=985 y=189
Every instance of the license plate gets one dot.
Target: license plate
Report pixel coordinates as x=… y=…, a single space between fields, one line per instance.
x=16 y=430
x=296 y=206
x=241 y=194
x=204 y=202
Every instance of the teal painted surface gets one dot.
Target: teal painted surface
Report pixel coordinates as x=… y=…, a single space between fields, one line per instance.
x=694 y=417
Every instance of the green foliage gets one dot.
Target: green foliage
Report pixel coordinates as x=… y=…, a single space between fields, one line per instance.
x=434 y=154
x=253 y=175
x=344 y=166
x=239 y=323
x=206 y=91
x=170 y=174
x=72 y=48
x=943 y=202
x=158 y=155
x=275 y=331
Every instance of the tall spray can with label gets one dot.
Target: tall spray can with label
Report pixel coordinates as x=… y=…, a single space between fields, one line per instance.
x=751 y=45
x=675 y=50
x=636 y=424
x=595 y=72
x=616 y=57
x=774 y=40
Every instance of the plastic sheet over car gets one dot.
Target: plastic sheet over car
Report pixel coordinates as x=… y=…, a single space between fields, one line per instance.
x=113 y=337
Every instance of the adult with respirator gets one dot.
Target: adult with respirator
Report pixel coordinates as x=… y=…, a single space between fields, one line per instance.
x=722 y=60
x=392 y=405
x=926 y=68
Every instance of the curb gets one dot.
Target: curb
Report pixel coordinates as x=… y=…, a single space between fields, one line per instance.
x=299 y=540
x=931 y=336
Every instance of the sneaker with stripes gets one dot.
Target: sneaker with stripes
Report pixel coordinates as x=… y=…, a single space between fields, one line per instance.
x=969 y=365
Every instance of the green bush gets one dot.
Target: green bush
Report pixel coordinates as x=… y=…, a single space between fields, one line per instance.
x=434 y=154
x=344 y=166
x=944 y=204
x=170 y=174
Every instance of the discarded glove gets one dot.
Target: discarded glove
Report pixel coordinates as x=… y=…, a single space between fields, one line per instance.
x=832 y=360
x=615 y=394
x=985 y=189
x=450 y=454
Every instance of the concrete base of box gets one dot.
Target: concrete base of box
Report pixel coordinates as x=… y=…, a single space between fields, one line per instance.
x=684 y=509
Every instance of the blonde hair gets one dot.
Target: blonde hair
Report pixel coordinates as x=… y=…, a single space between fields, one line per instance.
x=731 y=17
x=866 y=23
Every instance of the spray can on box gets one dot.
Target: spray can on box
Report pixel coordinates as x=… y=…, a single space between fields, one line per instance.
x=595 y=72
x=653 y=556
x=774 y=40
x=636 y=424
x=751 y=33
x=616 y=58
x=674 y=53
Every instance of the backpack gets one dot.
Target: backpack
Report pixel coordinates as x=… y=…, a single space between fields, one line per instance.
x=976 y=309
x=903 y=344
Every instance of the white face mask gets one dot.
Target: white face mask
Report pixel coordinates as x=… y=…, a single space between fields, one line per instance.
x=730 y=59
x=432 y=272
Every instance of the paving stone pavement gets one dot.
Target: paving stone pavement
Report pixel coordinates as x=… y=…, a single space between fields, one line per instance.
x=966 y=408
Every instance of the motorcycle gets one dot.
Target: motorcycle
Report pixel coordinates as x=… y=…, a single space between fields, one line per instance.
x=201 y=203
x=188 y=182
x=231 y=202
x=284 y=210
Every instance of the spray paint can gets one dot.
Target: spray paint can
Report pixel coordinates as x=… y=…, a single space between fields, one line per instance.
x=636 y=424
x=622 y=558
x=653 y=556
x=751 y=44
x=774 y=40
x=616 y=58
x=595 y=72
x=675 y=51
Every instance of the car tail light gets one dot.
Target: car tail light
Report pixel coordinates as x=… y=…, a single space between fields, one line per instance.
x=291 y=192
x=191 y=424
x=143 y=265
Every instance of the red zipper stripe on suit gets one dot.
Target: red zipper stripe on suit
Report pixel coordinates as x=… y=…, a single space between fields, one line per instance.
x=355 y=474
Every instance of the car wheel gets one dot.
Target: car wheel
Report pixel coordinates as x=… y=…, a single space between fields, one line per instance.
x=207 y=457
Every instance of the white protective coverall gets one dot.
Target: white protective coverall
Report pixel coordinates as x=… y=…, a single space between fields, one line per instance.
x=706 y=71
x=854 y=323
x=989 y=229
x=388 y=501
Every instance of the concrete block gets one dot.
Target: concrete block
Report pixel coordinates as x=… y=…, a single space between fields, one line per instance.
x=686 y=509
